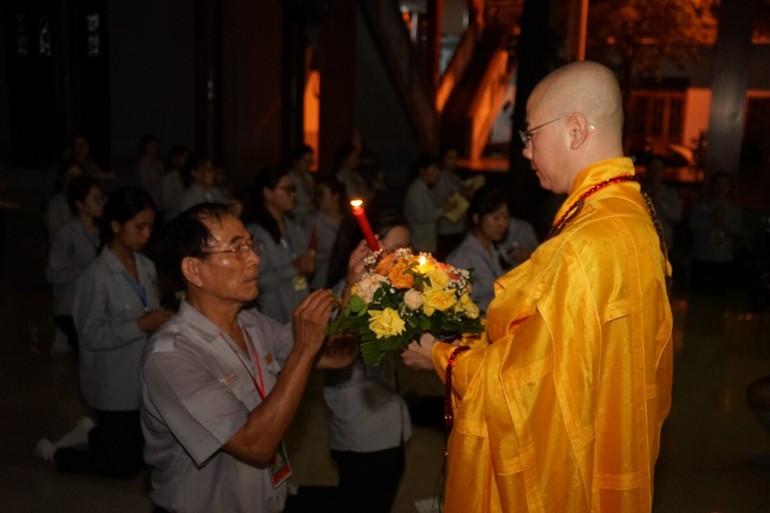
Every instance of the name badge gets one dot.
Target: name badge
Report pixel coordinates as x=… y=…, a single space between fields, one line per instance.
x=300 y=283
x=280 y=470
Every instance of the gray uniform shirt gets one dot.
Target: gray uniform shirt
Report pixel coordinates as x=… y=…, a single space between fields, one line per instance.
x=367 y=411
x=105 y=311
x=72 y=250
x=194 y=195
x=448 y=185
x=326 y=234
x=422 y=212
x=486 y=268
x=197 y=391
x=172 y=189
x=57 y=212
x=279 y=290
x=520 y=234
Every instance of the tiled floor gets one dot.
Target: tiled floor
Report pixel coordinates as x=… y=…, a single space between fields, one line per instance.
x=706 y=440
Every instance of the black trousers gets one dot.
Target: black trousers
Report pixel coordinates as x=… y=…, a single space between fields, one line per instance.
x=309 y=499
x=369 y=480
x=114 y=448
x=67 y=326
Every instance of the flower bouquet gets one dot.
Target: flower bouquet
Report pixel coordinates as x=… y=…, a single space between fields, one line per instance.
x=400 y=297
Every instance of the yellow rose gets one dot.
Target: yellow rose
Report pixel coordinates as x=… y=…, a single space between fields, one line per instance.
x=385 y=323
x=437 y=299
x=467 y=306
x=438 y=278
x=413 y=299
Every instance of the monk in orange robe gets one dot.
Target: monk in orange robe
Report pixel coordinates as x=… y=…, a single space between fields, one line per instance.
x=560 y=407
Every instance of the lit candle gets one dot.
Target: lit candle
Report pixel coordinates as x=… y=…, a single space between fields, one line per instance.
x=363 y=222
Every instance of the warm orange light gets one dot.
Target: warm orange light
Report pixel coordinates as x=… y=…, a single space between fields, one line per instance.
x=363 y=222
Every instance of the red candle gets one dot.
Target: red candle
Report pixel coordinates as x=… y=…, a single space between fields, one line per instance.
x=363 y=222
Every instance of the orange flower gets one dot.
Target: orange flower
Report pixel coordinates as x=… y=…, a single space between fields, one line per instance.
x=385 y=264
x=399 y=277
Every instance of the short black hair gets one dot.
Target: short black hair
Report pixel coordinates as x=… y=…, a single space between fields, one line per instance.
x=187 y=236
x=78 y=189
x=123 y=205
x=61 y=171
x=487 y=200
x=424 y=161
x=299 y=152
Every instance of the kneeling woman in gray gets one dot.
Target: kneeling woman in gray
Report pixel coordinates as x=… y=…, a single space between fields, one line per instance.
x=369 y=418
x=116 y=308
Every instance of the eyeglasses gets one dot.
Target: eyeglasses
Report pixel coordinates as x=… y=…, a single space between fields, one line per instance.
x=241 y=251
x=526 y=135
x=289 y=189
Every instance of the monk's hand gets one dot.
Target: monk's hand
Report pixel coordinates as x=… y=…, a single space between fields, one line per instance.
x=418 y=355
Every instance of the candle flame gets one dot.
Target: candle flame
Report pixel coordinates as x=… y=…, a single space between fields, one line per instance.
x=422 y=260
x=356 y=203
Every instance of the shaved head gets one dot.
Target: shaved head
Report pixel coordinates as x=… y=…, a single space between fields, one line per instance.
x=586 y=87
x=575 y=118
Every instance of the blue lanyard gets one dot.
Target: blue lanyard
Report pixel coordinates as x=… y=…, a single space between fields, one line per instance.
x=140 y=291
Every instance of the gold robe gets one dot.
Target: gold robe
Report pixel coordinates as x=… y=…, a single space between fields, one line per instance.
x=561 y=410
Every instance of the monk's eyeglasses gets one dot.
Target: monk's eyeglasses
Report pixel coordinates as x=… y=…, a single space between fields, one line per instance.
x=526 y=135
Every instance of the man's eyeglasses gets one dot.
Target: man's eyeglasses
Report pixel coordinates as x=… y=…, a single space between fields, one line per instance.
x=526 y=135
x=241 y=251
x=289 y=189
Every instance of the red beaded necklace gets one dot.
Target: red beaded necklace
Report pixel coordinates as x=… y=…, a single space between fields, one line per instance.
x=577 y=206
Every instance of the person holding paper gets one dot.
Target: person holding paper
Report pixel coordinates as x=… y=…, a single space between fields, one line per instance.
x=451 y=227
x=421 y=208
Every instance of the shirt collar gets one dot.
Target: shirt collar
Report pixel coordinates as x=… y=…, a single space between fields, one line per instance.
x=190 y=315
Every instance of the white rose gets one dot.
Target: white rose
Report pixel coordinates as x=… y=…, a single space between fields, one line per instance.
x=368 y=285
x=413 y=299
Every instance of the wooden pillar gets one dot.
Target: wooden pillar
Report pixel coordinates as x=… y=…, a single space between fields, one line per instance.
x=337 y=68
x=728 y=92
x=537 y=56
x=293 y=77
x=577 y=29
x=433 y=46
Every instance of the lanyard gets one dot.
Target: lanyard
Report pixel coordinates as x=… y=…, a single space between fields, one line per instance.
x=140 y=291
x=258 y=381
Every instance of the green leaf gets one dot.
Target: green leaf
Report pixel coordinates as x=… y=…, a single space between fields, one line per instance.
x=357 y=305
x=371 y=353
